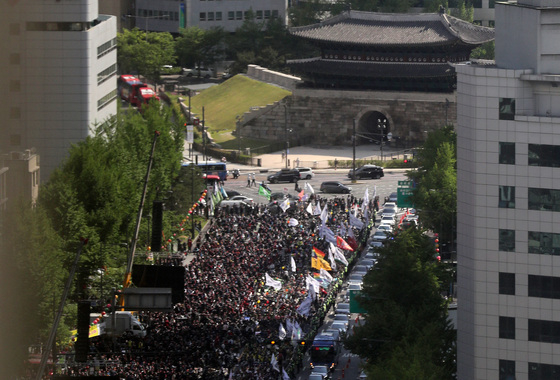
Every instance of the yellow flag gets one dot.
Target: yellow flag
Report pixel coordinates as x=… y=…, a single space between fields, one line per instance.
x=319 y=263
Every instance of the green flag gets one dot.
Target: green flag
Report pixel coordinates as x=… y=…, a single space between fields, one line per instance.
x=264 y=192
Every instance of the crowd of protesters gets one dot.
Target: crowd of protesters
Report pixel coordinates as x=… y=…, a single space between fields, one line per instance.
x=229 y=318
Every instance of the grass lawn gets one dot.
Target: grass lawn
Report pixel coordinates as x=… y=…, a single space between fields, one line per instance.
x=229 y=99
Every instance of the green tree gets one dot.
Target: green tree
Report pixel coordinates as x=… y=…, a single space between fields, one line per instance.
x=431 y=6
x=463 y=11
x=395 y=6
x=198 y=47
x=144 y=53
x=406 y=313
x=307 y=12
x=484 y=51
x=435 y=192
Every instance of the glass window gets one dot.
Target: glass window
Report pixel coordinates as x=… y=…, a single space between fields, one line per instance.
x=507 y=370
x=266 y=15
x=507 y=153
x=544 y=331
x=246 y=15
x=218 y=16
x=491 y=5
x=544 y=199
x=507 y=283
x=259 y=15
x=544 y=243
x=491 y=23
x=231 y=15
x=544 y=287
x=275 y=13
x=239 y=15
x=506 y=197
x=507 y=328
x=210 y=16
x=507 y=109
x=544 y=155
x=507 y=240
x=477 y=3
x=202 y=16
x=539 y=371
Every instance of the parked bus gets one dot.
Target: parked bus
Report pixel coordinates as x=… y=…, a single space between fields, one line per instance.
x=128 y=86
x=212 y=167
x=325 y=350
x=144 y=96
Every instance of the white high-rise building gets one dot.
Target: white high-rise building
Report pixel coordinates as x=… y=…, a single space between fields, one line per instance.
x=58 y=70
x=508 y=185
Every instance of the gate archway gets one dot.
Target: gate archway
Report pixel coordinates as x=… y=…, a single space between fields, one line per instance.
x=373 y=128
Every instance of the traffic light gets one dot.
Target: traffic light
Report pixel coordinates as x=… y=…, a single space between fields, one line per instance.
x=405 y=159
x=436 y=242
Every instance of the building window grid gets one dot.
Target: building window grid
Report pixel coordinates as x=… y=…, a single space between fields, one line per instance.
x=106 y=99
x=507 y=283
x=544 y=331
x=544 y=243
x=507 y=370
x=107 y=47
x=506 y=197
x=507 y=153
x=544 y=287
x=106 y=74
x=544 y=199
x=540 y=371
x=507 y=327
x=506 y=240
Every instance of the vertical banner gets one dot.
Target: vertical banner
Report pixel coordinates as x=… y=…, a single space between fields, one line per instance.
x=182 y=23
x=190 y=134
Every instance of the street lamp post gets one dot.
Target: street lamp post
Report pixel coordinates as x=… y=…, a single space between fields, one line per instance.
x=287 y=131
x=382 y=125
x=353 y=150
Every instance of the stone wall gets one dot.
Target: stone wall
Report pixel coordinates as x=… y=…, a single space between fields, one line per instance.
x=326 y=117
x=262 y=74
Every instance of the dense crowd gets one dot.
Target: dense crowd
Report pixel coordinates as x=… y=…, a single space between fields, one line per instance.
x=229 y=316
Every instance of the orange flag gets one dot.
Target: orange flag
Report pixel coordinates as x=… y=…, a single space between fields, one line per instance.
x=341 y=243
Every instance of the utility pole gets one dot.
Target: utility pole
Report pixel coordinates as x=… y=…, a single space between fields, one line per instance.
x=354 y=150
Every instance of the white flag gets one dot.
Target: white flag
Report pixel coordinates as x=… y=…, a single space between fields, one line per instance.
x=272 y=282
x=325 y=275
x=338 y=255
x=274 y=363
x=327 y=234
x=311 y=282
x=285 y=205
x=355 y=210
x=285 y=375
x=374 y=192
x=351 y=232
x=289 y=326
x=304 y=308
x=331 y=257
x=366 y=200
x=293 y=264
x=324 y=214
x=355 y=222
x=342 y=229
x=296 y=331
x=293 y=222
x=309 y=209
x=317 y=209
x=312 y=292
x=281 y=332
x=366 y=215
x=308 y=187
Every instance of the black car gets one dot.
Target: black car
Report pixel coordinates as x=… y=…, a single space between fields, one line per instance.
x=367 y=171
x=284 y=175
x=335 y=187
x=280 y=196
x=232 y=193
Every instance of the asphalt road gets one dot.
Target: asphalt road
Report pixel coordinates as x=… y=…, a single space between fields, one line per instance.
x=383 y=186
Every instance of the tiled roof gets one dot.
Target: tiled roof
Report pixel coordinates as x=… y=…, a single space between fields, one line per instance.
x=363 y=69
x=388 y=29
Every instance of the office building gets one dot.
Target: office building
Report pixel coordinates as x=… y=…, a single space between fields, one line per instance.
x=59 y=67
x=508 y=115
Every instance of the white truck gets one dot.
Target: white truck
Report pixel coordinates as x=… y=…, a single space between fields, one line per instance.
x=202 y=72
x=125 y=322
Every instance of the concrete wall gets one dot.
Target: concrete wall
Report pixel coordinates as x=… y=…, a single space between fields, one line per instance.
x=280 y=79
x=326 y=117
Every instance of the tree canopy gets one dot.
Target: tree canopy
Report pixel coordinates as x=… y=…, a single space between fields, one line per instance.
x=144 y=53
x=406 y=333
x=435 y=191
